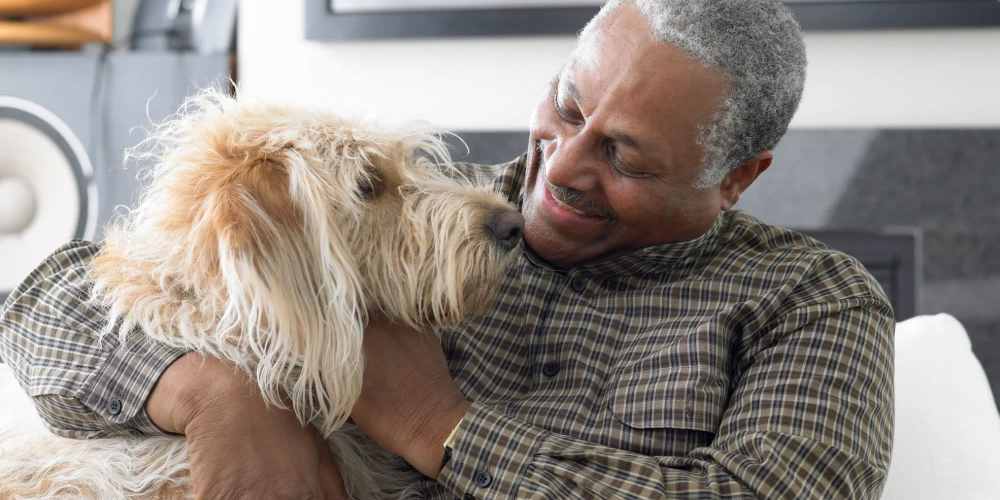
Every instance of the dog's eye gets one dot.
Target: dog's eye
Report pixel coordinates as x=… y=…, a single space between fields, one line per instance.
x=370 y=186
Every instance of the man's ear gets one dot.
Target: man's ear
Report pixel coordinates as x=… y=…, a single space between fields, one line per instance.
x=741 y=177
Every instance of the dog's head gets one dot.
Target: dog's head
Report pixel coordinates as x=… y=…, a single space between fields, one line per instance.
x=267 y=234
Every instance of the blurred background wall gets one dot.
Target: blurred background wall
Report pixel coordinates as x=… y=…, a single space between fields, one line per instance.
x=918 y=78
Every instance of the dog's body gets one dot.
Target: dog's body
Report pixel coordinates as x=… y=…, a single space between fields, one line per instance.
x=266 y=238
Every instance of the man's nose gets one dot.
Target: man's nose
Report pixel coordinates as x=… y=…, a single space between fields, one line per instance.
x=571 y=163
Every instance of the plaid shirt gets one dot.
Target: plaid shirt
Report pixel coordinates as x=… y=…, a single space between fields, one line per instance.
x=751 y=362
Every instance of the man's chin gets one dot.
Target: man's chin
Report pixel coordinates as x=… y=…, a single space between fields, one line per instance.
x=557 y=241
x=554 y=248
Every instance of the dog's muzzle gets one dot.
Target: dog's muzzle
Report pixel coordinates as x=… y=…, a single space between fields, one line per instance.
x=506 y=227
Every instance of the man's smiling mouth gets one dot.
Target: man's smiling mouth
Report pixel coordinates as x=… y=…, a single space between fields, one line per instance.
x=569 y=207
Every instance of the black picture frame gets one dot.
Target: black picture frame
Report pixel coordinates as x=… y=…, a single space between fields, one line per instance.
x=322 y=23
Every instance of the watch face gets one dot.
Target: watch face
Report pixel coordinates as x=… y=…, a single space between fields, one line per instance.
x=47 y=191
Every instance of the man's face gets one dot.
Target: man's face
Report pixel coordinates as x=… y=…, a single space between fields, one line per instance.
x=614 y=159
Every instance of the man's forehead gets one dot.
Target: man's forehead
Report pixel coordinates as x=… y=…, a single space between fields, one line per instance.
x=620 y=31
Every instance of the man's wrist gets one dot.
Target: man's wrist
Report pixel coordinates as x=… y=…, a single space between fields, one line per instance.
x=428 y=456
x=186 y=387
x=491 y=467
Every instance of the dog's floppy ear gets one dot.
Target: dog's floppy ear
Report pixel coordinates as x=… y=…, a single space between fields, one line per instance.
x=293 y=285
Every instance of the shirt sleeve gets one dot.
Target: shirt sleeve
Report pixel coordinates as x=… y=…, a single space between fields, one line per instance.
x=84 y=385
x=809 y=417
x=504 y=178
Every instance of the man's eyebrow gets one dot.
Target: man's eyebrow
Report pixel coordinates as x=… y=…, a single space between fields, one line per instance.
x=571 y=89
x=622 y=137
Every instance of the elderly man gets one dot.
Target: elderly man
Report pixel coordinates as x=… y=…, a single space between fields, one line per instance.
x=651 y=343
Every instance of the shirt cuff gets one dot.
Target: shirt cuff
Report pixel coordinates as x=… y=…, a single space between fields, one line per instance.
x=119 y=389
x=491 y=454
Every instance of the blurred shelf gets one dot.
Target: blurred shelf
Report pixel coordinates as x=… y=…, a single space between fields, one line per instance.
x=40 y=34
x=20 y=8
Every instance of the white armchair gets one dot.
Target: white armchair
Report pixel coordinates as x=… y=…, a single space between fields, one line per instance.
x=947 y=439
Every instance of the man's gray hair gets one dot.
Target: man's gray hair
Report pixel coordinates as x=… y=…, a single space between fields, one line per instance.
x=758 y=46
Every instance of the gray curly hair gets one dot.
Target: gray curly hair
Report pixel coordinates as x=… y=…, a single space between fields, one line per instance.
x=757 y=45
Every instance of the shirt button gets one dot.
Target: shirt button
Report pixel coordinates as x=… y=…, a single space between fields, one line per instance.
x=482 y=479
x=550 y=369
x=115 y=407
x=578 y=283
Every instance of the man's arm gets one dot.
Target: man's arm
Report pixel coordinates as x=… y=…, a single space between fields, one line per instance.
x=810 y=416
x=84 y=385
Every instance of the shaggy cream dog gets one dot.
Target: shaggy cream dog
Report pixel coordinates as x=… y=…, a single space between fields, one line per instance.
x=266 y=236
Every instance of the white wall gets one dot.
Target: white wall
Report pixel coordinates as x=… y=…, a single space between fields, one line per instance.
x=917 y=78
x=924 y=78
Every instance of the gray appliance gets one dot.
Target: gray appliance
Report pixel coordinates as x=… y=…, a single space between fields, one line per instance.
x=203 y=26
x=65 y=120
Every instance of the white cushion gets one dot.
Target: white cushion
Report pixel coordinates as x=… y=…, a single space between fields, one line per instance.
x=18 y=410
x=947 y=439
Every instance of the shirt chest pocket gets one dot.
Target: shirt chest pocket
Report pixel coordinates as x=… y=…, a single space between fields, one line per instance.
x=669 y=391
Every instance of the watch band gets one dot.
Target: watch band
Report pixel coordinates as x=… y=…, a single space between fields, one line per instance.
x=450 y=441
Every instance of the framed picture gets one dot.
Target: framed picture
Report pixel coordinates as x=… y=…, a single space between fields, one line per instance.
x=372 y=19
x=381 y=19
x=893 y=14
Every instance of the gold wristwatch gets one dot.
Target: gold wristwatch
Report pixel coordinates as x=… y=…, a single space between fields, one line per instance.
x=450 y=441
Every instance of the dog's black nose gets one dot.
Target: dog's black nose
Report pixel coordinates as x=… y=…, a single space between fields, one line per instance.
x=506 y=226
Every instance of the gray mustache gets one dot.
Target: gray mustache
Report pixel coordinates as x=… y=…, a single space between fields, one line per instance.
x=578 y=200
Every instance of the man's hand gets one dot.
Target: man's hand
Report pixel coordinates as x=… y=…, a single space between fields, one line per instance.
x=409 y=402
x=239 y=447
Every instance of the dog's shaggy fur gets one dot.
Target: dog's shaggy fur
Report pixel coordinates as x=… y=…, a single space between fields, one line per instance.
x=266 y=237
